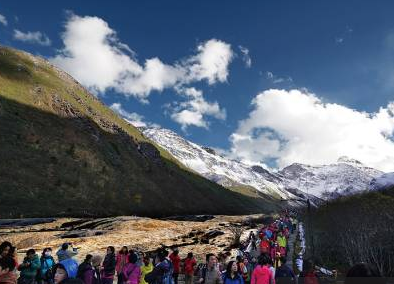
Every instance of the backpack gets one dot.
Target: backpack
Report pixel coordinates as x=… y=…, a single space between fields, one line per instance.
x=167 y=277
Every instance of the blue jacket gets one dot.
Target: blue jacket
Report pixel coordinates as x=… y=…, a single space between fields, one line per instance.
x=228 y=280
x=46 y=263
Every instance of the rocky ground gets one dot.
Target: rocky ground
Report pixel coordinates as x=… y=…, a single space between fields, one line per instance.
x=197 y=234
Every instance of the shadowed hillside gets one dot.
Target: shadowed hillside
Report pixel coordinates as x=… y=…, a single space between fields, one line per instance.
x=63 y=152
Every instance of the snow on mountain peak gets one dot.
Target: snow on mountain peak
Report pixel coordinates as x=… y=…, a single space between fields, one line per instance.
x=347 y=176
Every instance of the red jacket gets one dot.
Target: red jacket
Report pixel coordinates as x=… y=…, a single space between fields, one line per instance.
x=176 y=262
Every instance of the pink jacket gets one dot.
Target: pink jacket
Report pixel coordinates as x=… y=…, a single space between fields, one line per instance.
x=262 y=275
x=119 y=257
x=131 y=273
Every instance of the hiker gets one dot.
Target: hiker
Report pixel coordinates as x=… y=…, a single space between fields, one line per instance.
x=284 y=274
x=189 y=267
x=176 y=263
x=7 y=274
x=64 y=253
x=162 y=271
x=282 y=243
x=210 y=274
x=29 y=268
x=363 y=273
x=146 y=268
x=46 y=266
x=262 y=274
x=242 y=269
x=66 y=269
x=131 y=272
x=308 y=274
x=264 y=245
x=6 y=249
x=249 y=270
x=109 y=264
x=121 y=259
x=85 y=270
x=231 y=276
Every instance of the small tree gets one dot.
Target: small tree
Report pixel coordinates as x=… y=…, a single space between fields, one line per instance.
x=236 y=231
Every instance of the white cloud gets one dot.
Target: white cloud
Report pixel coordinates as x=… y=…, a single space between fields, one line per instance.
x=276 y=79
x=94 y=56
x=32 y=37
x=131 y=117
x=245 y=56
x=3 y=20
x=295 y=126
x=195 y=109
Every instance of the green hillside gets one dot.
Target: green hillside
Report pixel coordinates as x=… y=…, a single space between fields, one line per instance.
x=63 y=152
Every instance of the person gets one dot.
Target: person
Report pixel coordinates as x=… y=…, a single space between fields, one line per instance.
x=96 y=264
x=109 y=264
x=210 y=274
x=282 y=243
x=284 y=274
x=162 y=270
x=262 y=274
x=64 y=270
x=264 y=245
x=242 y=269
x=176 y=263
x=85 y=270
x=29 y=268
x=231 y=276
x=131 y=272
x=121 y=259
x=7 y=249
x=363 y=273
x=146 y=268
x=64 y=253
x=308 y=274
x=46 y=266
x=248 y=269
x=7 y=266
x=189 y=264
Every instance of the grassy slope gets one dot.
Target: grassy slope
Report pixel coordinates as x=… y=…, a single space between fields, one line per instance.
x=60 y=155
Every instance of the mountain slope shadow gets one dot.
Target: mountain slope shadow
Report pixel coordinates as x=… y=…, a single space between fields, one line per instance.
x=70 y=166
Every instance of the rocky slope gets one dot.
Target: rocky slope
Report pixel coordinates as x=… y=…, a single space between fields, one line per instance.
x=63 y=152
x=295 y=182
x=384 y=181
x=229 y=173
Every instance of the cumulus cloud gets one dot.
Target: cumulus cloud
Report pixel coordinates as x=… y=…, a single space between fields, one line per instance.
x=32 y=37
x=3 y=20
x=94 y=55
x=276 y=79
x=245 y=56
x=131 y=117
x=195 y=109
x=296 y=126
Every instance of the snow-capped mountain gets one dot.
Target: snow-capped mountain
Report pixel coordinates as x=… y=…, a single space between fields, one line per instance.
x=347 y=176
x=206 y=162
x=294 y=182
x=382 y=182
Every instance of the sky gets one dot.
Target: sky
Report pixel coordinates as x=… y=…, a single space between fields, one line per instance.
x=266 y=82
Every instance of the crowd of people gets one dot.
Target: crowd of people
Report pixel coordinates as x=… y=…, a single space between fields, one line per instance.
x=261 y=259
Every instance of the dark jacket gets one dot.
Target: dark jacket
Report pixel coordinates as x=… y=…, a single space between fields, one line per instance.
x=284 y=275
x=109 y=265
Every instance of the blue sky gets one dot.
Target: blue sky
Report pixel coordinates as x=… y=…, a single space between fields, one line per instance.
x=339 y=52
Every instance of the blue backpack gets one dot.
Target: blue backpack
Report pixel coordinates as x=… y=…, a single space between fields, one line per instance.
x=167 y=277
